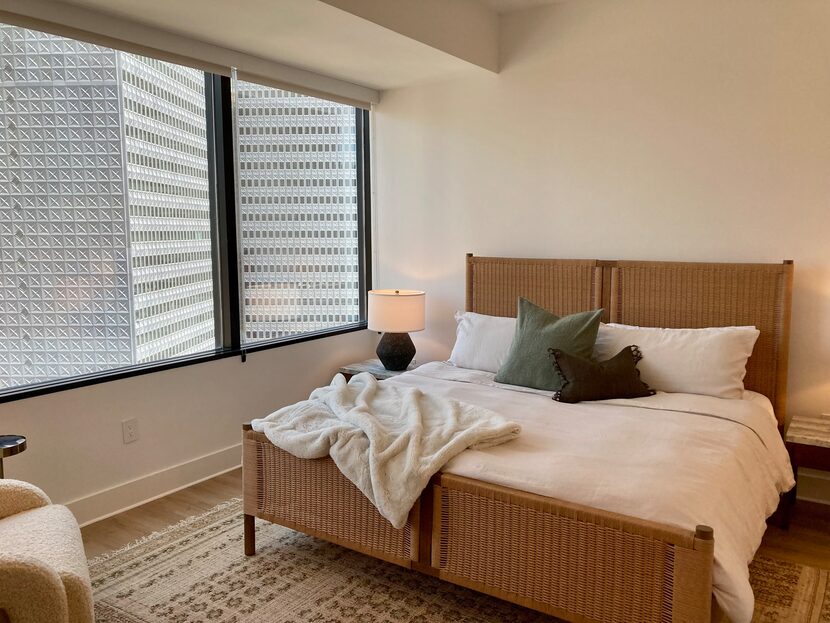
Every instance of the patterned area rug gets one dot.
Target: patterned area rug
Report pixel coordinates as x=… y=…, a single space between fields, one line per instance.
x=195 y=571
x=786 y=591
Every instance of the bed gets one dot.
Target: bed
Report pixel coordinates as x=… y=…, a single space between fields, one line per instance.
x=576 y=561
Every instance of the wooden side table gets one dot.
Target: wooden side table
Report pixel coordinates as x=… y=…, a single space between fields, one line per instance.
x=9 y=446
x=373 y=367
x=808 y=442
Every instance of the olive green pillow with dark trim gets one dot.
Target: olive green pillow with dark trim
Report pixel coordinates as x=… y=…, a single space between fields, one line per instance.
x=583 y=379
x=537 y=330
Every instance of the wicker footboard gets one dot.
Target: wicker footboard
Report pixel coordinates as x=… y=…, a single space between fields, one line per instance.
x=574 y=562
x=580 y=564
x=312 y=496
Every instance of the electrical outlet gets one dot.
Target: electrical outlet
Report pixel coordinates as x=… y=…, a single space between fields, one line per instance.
x=129 y=430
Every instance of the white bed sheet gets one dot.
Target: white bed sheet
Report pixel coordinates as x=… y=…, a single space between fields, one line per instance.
x=679 y=459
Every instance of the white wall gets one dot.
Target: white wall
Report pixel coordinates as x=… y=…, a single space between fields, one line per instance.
x=654 y=129
x=189 y=423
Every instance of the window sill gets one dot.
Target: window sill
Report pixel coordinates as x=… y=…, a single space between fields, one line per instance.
x=48 y=387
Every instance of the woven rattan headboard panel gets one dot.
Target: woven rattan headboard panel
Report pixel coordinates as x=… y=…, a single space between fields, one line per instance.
x=494 y=284
x=675 y=294
x=654 y=294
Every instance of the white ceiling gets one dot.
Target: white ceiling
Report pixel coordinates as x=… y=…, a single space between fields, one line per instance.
x=303 y=33
x=321 y=38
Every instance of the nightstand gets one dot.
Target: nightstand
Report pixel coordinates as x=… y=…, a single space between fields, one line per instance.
x=373 y=367
x=808 y=442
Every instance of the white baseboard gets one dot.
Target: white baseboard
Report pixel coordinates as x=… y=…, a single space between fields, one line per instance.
x=814 y=486
x=127 y=495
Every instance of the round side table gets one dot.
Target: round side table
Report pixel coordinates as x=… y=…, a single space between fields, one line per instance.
x=9 y=446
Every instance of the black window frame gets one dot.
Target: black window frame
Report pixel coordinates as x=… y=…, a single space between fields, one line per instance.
x=222 y=176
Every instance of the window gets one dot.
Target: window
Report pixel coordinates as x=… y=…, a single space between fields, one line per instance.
x=298 y=211
x=119 y=250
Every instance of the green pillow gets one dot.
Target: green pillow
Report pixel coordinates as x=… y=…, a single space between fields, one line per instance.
x=537 y=330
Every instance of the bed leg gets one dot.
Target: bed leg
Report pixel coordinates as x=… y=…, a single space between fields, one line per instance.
x=250 y=536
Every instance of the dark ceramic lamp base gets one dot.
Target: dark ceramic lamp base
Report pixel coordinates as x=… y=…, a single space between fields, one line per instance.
x=395 y=351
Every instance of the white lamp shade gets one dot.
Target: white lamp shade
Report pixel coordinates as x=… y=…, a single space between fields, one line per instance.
x=396 y=311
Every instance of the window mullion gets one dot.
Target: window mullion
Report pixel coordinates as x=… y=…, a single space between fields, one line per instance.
x=364 y=204
x=224 y=197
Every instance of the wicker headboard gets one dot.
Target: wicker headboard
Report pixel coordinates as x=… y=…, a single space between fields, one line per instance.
x=654 y=294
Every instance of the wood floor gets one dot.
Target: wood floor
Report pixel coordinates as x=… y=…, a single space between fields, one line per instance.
x=807 y=541
x=119 y=530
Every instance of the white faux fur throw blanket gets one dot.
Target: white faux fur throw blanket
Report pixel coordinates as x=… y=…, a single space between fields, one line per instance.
x=388 y=440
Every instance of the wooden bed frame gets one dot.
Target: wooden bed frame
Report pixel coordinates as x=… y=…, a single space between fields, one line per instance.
x=575 y=562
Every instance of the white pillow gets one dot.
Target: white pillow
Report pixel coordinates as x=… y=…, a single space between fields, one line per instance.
x=482 y=342
x=708 y=361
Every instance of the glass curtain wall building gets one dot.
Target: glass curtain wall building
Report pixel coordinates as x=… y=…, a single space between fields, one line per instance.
x=104 y=211
x=298 y=211
x=169 y=214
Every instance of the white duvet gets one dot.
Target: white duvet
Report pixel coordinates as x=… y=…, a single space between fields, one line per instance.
x=679 y=459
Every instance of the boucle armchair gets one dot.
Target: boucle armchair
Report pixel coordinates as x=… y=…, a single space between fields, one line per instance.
x=43 y=571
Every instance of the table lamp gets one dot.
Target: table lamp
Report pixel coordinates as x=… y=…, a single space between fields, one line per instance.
x=396 y=313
